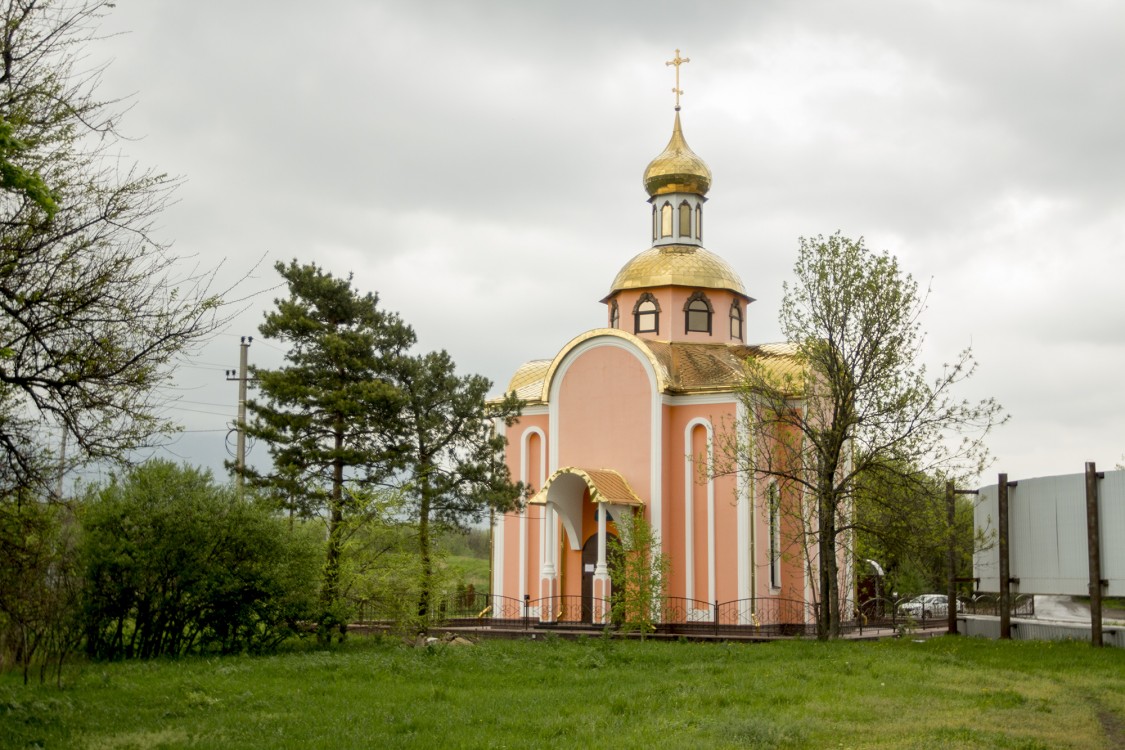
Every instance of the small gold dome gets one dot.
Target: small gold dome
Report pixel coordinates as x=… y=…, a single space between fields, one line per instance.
x=677 y=265
x=677 y=169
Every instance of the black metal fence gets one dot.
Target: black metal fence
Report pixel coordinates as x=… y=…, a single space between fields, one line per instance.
x=762 y=616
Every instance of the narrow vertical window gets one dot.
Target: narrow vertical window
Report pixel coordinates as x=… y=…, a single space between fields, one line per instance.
x=699 y=223
x=774 y=499
x=646 y=315
x=697 y=313
x=666 y=220
x=685 y=219
x=614 y=315
x=736 y=321
x=655 y=224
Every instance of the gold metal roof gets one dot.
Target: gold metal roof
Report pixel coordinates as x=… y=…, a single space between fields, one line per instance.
x=677 y=265
x=717 y=368
x=527 y=382
x=681 y=368
x=606 y=486
x=677 y=169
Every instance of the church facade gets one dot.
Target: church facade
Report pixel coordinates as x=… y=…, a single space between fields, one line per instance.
x=627 y=418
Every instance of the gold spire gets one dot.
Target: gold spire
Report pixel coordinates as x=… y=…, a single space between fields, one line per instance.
x=677 y=169
x=678 y=61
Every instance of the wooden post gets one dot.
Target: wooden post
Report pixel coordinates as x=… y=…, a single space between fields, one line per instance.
x=1093 y=548
x=1005 y=574
x=951 y=558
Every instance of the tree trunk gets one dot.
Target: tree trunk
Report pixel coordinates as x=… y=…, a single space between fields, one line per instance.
x=823 y=613
x=330 y=587
x=425 y=558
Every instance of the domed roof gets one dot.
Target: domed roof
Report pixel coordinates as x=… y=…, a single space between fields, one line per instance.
x=677 y=169
x=677 y=265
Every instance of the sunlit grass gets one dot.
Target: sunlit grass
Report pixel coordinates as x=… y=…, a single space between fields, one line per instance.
x=947 y=692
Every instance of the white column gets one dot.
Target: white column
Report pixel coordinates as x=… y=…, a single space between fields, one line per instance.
x=602 y=582
x=547 y=576
x=601 y=569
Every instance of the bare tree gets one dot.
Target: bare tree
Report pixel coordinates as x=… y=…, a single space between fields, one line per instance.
x=94 y=310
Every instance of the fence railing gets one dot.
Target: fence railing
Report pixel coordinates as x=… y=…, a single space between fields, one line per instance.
x=765 y=616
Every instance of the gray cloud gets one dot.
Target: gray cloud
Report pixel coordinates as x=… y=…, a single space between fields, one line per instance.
x=478 y=164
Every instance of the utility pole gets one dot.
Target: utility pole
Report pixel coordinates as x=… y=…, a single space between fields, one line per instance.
x=1093 y=549
x=240 y=455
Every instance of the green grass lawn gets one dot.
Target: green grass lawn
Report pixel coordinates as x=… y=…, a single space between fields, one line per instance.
x=939 y=693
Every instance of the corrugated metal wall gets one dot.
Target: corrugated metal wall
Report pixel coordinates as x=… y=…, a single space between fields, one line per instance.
x=1047 y=535
x=1030 y=630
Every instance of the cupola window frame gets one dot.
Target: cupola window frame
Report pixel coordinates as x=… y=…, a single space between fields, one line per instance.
x=614 y=315
x=736 y=331
x=665 y=220
x=685 y=220
x=698 y=313
x=646 y=314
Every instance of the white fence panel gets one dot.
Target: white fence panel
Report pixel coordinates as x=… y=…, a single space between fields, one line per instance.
x=1047 y=535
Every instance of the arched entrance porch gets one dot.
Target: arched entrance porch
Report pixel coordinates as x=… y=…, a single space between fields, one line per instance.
x=563 y=496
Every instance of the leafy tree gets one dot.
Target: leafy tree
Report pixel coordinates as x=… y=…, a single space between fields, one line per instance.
x=331 y=415
x=16 y=179
x=40 y=587
x=639 y=575
x=92 y=309
x=867 y=405
x=453 y=454
x=903 y=523
x=175 y=564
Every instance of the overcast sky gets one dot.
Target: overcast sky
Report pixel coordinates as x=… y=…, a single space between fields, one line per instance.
x=478 y=165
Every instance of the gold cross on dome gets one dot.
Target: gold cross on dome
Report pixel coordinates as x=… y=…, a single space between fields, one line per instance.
x=678 y=61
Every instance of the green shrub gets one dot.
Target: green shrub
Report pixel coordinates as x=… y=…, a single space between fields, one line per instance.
x=175 y=563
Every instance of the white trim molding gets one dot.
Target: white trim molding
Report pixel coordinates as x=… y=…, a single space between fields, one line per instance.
x=525 y=461
x=690 y=470
x=615 y=340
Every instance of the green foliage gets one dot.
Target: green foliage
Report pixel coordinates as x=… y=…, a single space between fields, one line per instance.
x=902 y=524
x=870 y=409
x=40 y=587
x=175 y=564
x=330 y=415
x=17 y=179
x=453 y=453
x=353 y=410
x=639 y=576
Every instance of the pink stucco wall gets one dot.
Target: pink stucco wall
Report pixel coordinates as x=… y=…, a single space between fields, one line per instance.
x=605 y=414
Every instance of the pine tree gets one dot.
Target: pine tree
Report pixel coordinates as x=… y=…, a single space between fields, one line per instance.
x=453 y=451
x=330 y=415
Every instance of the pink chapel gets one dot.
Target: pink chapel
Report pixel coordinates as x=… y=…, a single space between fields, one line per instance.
x=625 y=419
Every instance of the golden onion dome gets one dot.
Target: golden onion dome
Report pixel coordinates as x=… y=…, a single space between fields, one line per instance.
x=677 y=169
x=677 y=265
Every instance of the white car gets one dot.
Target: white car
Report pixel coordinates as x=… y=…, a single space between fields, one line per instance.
x=927 y=606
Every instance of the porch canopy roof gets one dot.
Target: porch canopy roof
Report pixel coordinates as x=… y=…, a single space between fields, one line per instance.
x=606 y=486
